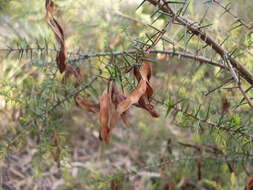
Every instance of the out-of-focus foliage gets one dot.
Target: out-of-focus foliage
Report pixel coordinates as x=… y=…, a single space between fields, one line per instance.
x=38 y=115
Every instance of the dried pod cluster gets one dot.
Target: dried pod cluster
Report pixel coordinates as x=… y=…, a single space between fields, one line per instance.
x=122 y=103
x=114 y=105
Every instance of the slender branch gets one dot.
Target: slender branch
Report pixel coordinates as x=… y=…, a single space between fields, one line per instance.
x=72 y=94
x=238 y=82
x=210 y=149
x=160 y=35
x=218 y=87
x=203 y=148
x=208 y=123
x=211 y=124
x=196 y=30
x=245 y=95
x=241 y=21
x=83 y=56
x=168 y=52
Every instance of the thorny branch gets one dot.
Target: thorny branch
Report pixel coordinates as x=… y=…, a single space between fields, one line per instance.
x=159 y=35
x=241 y=21
x=83 y=56
x=218 y=87
x=245 y=95
x=233 y=65
x=238 y=82
x=208 y=123
x=168 y=52
x=210 y=149
x=196 y=30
